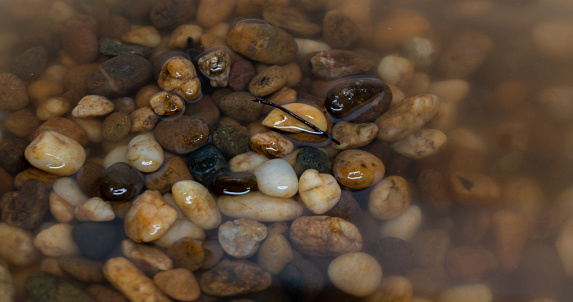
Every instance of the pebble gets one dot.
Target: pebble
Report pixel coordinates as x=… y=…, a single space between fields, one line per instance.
x=120 y=182
x=172 y=170
x=393 y=288
x=187 y=253
x=146 y=36
x=554 y=101
x=178 y=75
x=234 y=183
x=325 y=236
x=240 y=106
x=211 y=13
x=143 y=119
x=466 y=53
x=14 y=95
x=68 y=189
x=206 y=163
x=103 y=293
x=268 y=81
x=96 y=240
x=339 y=30
x=172 y=13
x=421 y=52
x=147 y=258
x=82 y=269
x=246 y=162
x=144 y=153
x=197 y=204
x=353 y=135
x=277 y=178
x=247 y=278
x=206 y=109
x=114 y=26
x=179 y=284
x=181 y=228
x=279 y=46
x=241 y=74
x=398 y=27
x=271 y=144
x=241 y=238
x=116 y=126
x=93 y=106
x=291 y=20
x=17 y=245
x=407 y=117
x=131 y=281
x=389 y=198
x=56 y=241
x=120 y=76
x=274 y=254
x=93 y=128
x=420 y=144
x=302 y=280
x=215 y=64
x=396 y=70
x=278 y=119
x=27 y=207
x=357 y=169
x=311 y=158
x=337 y=63
x=213 y=253
x=55 y=153
x=179 y=36
x=149 y=217
x=358 y=274
x=31 y=63
x=167 y=105
x=80 y=42
x=231 y=140
x=474 y=188
x=318 y=191
x=551 y=38
x=53 y=107
x=22 y=123
x=42 y=286
x=473 y=292
x=403 y=226
x=95 y=209
x=360 y=100
x=6 y=285
x=62 y=211
x=260 y=207
x=182 y=135
x=510 y=231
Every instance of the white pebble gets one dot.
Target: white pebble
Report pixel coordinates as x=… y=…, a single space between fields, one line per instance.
x=145 y=36
x=247 y=162
x=260 y=207
x=56 y=241
x=117 y=155
x=404 y=226
x=92 y=106
x=277 y=178
x=181 y=228
x=55 y=153
x=144 y=153
x=196 y=203
x=358 y=274
x=396 y=70
x=467 y=293
x=67 y=188
x=307 y=46
x=319 y=192
x=95 y=209
x=61 y=209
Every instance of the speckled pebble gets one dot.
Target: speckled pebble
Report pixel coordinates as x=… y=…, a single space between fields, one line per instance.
x=357 y=169
x=241 y=238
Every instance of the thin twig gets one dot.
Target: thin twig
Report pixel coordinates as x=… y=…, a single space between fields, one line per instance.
x=322 y=132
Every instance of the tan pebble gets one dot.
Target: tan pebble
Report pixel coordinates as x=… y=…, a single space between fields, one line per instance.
x=246 y=162
x=187 y=253
x=510 y=230
x=146 y=257
x=52 y=266
x=144 y=95
x=260 y=207
x=211 y=13
x=102 y=293
x=351 y=135
x=179 y=284
x=556 y=102
x=59 y=208
x=397 y=95
x=357 y=169
x=220 y=29
x=197 y=204
x=178 y=75
x=268 y=81
x=325 y=236
x=213 y=253
x=389 y=198
x=473 y=188
x=144 y=153
x=241 y=238
x=473 y=292
x=93 y=128
x=17 y=245
x=284 y=96
x=43 y=89
x=95 y=209
x=21 y=123
x=56 y=241
x=403 y=226
x=167 y=104
x=179 y=36
x=145 y=36
x=525 y=196
x=393 y=288
x=450 y=91
x=271 y=144
x=396 y=70
x=280 y=120
x=14 y=94
x=149 y=217
x=308 y=46
x=248 y=278
x=131 y=281
x=274 y=254
x=392 y=31
x=466 y=139
x=319 y=191
x=181 y=228
x=434 y=190
x=116 y=126
x=55 y=153
x=358 y=274
x=66 y=127
x=143 y=119
x=420 y=144
x=93 y=106
x=554 y=39
x=293 y=73
x=53 y=107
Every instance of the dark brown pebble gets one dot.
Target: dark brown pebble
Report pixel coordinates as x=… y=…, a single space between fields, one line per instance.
x=88 y=176
x=337 y=63
x=247 y=278
x=12 y=155
x=242 y=72
x=30 y=64
x=27 y=207
x=339 y=31
x=82 y=269
x=173 y=170
x=120 y=182
x=240 y=106
x=120 y=75
x=234 y=183
x=116 y=126
x=172 y=13
x=13 y=93
x=66 y=127
x=396 y=256
x=231 y=140
x=182 y=135
x=80 y=42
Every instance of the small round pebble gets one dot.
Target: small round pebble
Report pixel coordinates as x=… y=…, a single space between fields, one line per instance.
x=319 y=191
x=182 y=135
x=179 y=284
x=358 y=274
x=120 y=182
x=241 y=238
x=197 y=204
x=96 y=239
x=357 y=169
x=312 y=158
x=268 y=81
x=144 y=153
x=116 y=126
x=149 y=217
x=276 y=177
x=80 y=42
x=231 y=140
x=187 y=252
x=325 y=236
x=55 y=153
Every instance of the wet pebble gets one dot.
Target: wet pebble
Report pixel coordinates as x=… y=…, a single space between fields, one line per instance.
x=421 y=52
x=358 y=274
x=18 y=245
x=13 y=93
x=197 y=204
x=182 y=135
x=389 y=198
x=215 y=64
x=31 y=63
x=279 y=48
x=240 y=106
x=144 y=153
x=260 y=207
x=149 y=217
x=336 y=63
x=172 y=170
x=44 y=286
x=206 y=163
x=352 y=136
x=275 y=252
x=116 y=126
x=143 y=119
x=248 y=278
x=279 y=119
x=148 y=258
x=66 y=127
x=268 y=81
x=187 y=253
x=179 y=284
x=27 y=207
x=80 y=42
x=420 y=144
x=406 y=117
x=405 y=225
x=56 y=241
x=241 y=238
x=93 y=106
x=120 y=75
x=179 y=36
x=276 y=178
x=474 y=188
x=170 y=14
x=178 y=75
x=325 y=236
x=131 y=281
x=311 y=158
x=318 y=191
x=234 y=183
x=246 y=162
x=120 y=182
x=145 y=36
x=82 y=269
x=179 y=229
x=231 y=140
x=271 y=144
x=357 y=169
x=302 y=280
x=396 y=70
x=94 y=209
x=241 y=74
x=291 y=20
x=55 y=153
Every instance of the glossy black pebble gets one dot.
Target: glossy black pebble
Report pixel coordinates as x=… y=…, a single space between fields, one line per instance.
x=206 y=163
x=120 y=182
x=234 y=183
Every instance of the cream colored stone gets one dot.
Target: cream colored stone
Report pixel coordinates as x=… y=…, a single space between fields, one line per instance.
x=181 y=228
x=396 y=70
x=197 y=204
x=280 y=120
x=67 y=188
x=276 y=178
x=144 y=153
x=260 y=207
x=146 y=256
x=149 y=217
x=420 y=144
x=53 y=107
x=17 y=245
x=179 y=284
x=247 y=162
x=145 y=36
x=404 y=226
x=131 y=281
x=554 y=39
x=143 y=119
x=55 y=153
x=92 y=106
x=352 y=136
x=59 y=208
x=56 y=241
x=358 y=274
x=116 y=155
x=319 y=191
x=389 y=198
x=179 y=36
x=95 y=209
x=308 y=46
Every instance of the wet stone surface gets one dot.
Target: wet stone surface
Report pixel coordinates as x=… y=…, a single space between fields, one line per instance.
x=360 y=100
x=312 y=158
x=206 y=163
x=234 y=183
x=248 y=278
x=231 y=140
x=182 y=135
x=120 y=182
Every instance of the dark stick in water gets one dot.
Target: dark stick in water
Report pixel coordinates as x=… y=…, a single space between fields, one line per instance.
x=263 y=101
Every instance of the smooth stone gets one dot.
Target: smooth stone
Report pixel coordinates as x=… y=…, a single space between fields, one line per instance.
x=55 y=153
x=80 y=42
x=357 y=169
x=280 y=47
x=179 y=229
x=17 y=245
x=56 y=241
x=120 y=75
x=268 y=81
x=131 y=281
x=246 y=162
x=389 y=198
x=240 y=106
x=396 y=70
x=149 y=217
x=215 y=64
x=144 y=36
x=359 y=100
x=234 y=183
x=358 y=274
x=302 y=280
x=93 y=106
x=46 y=287
x=120 y=182
x=187 y=252
x=94 y=209
x=174 y=169
x=274 y=254
x=325 y=236
x=27 y=207
x=260 y=207
x=278 y=119
x=291 y=20
x=319 y=191
x=144 y=153
x=172 y=13
x=420 y=144
x=179 y=284
x=96 y=239
x=352 y=136
x=112 y=48
x=312 y=158
x=403 y=226
x=82 y=269
x=31 y=63
x=197 y=204
x=271 y=143
x=241 y=238
x=241 y=74
x=340 y=31
x=247 y=278
x=182 y=135
x=66 y=127
x=147 y=258
x=206 y=163
x=338 y=63
x=276 y=178
x=231 y=140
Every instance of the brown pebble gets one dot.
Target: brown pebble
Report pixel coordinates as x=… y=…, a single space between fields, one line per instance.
x=30 y=64
x=206 y=109
x=469 y=263
x=339 y=31
x=241 y=74
x=76 y=78
x=114 y=26
x=187 y=253
x=337 y=63
x=102 y=293
x=173 y=170
x=66 y=127
x=172 y=13
x=357 y=169
x=80 y=42
x=325 y=236
x=271 y=143
x=240 y=106
x=291 y=20
x=27 y=207
x=83 y=269
x=247 y=278
x=434 y=190
x=13 y=93
x=179 y=284
x=22 y=123
x=119 y=76
x=268 y=81
x=182 y=135
x=89 y=174
x=116 y=126
x=473 y=188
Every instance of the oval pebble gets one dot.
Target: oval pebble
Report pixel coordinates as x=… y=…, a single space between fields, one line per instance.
x=260 y=207
x=276 y=178
x=357 y=169
x=55 y=153
x=149 y=217
x=325 y=235
x=197 y=204
x=144 y=153
x=358 y=274
x=241 y=238
x=319 y=191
